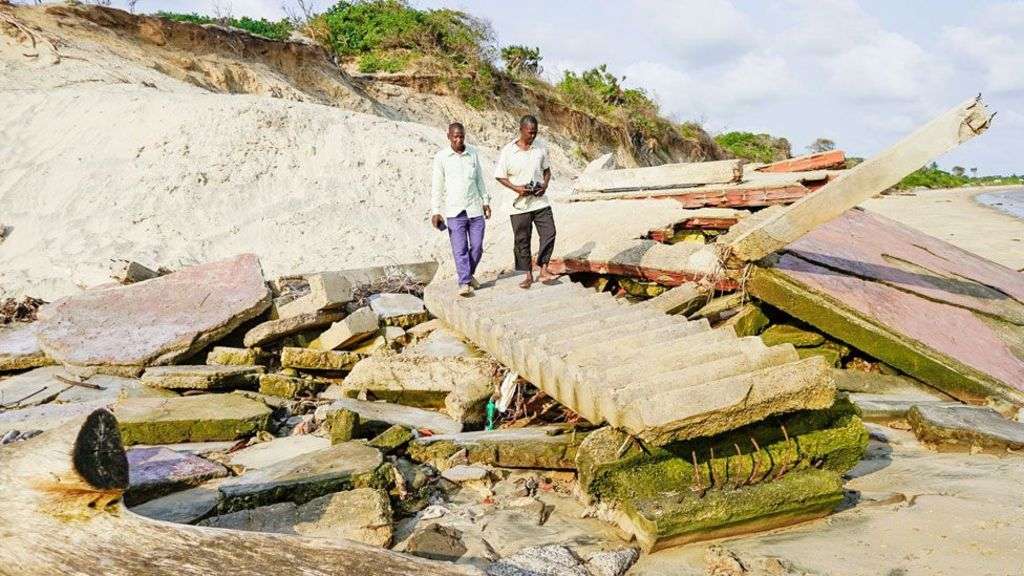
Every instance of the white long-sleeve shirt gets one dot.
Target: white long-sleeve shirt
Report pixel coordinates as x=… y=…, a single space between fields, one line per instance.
x=458 y=183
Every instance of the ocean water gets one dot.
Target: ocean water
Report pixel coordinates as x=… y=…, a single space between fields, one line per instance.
x=1010 y=201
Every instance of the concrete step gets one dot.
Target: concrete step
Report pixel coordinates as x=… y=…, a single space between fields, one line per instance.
x=652 y=364
x=666 y=340
x=649 y=329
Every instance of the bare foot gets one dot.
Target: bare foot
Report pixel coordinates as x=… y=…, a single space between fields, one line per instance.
x=546 y=275
x=527 y=282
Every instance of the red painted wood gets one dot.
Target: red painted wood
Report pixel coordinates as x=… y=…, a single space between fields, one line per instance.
x=819 y=161
x=664 y=277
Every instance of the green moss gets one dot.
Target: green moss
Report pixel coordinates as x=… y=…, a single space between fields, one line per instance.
x=287 y=386
x=749 y=321
x=342 y=424
x=392 y=439
x=833 y=439
x=641 y=288
x=789 y=334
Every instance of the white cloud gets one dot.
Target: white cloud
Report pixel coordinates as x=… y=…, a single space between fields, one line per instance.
x=886 y=66
x=1001 y=56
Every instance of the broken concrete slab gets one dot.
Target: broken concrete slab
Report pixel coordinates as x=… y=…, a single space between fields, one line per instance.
x=47 y=416
x=19 y=349
x=541 y=447
x=341 y=425
x=612 y=562
x=873 y=176
x=882 y=409
x=390 y=414
x=659 y=177
x=424 y=329
x=157 y=471
x=284 y=386
x=327 y=291
x=748 y=321
x=551 y=560
x=942 y=315
x=789 y=334
x=436 y=542
x=184 y=507
x=304 y=477
x=885 y=384
x=602 y=162
x=130 y=272
x=354 y=328
x=202 y=377
x=278 y=518
x=266 y=454
x=965 y=427
x=226 y=356
x=120 y=330
x=361 y=514
x=32 y=388
x=318 y=360
x=832 y=159
x=272 y=330
x=444 y=342
x=683 y=299
x=392 y=439
x=189 y=418
x=402 y=310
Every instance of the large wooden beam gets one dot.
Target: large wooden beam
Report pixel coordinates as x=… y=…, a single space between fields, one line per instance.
x=660 y=177
x=62 y=514
x=871 y=177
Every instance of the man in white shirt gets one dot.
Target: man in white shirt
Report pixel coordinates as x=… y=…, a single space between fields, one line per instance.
x=458 y=196
x=523 y=168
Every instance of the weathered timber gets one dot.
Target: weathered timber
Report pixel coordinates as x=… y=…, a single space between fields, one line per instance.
x=868 y=178
x=63 y=515
x=817 y=161
x=940 y=314
x=660 y=177
x=667 y=264
x=742 y=195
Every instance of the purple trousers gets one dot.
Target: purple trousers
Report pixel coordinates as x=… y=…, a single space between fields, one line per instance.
x=467 y=236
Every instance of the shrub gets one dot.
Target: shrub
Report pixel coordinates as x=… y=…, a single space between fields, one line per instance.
x=279 y=30
x=522 y=60
x=377 y=62
x=754 y=147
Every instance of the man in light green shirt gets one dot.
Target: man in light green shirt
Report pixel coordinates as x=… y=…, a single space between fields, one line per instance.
x=459 y=202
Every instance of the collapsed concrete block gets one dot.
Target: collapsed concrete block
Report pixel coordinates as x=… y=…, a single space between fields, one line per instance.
x=157 y=471
x=47 y=416
x=667 y=176
x=749 y=321
x=553 y=559
x=612 y=562
x=361 y=514
x=390 y=414
x=189 y=418
x=544 y=447
x=277 y=518
x=436 y=542
x=424 y=329
x=392 y=439
x=304 y=477
x=789 y=334
x=202 y=377
x=341 y=425
x=31 y=388
x=19 y=349
x=883 y=409
x=354 y=328
x=402 y=310
x=272 y=330
x=184 y=507
x=960 y=427
x=160 y=321
x=225 y=356
x=326 y=360
x=327 y=291
x=266 y=454
x=284 y=386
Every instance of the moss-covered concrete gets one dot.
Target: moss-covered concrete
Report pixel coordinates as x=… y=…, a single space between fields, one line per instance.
x=677 y=517
x=341 y=425
x=202 y=418
x=543 y=448
x=749 y=321
x=225 y=356
x=392 y=439
x=641 y=288
x=911 y=357
x=309 y=359
x=285 y=386
x=610 y=468
x=789 y=334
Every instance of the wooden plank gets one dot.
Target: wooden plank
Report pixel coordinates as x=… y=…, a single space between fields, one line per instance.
x=942 y=315
x=868 y=178
x=818 y=161
x=743 y=195
x=659 y=177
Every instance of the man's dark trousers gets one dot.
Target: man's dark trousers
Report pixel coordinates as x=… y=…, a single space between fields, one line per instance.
x=522 y=225
x=467 y=236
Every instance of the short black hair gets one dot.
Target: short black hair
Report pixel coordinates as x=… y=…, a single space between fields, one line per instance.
x=455 y=125
x=528 y=120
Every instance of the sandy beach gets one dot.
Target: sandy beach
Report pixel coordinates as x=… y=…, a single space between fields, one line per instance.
x=956 y=216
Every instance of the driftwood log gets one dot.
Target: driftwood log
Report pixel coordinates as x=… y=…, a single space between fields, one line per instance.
x=61 y=513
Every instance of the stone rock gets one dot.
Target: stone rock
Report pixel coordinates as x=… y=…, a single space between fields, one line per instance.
x=341 y=425
x=463 y=473
x=545 y=447
x=552 y=560
x=225 y=356
x=788 y=334
x=424 y=329
x=436 y=542
x=361 y=514
x=395 y=335
x=444 y=343
x=277 y=450
x=327 y=291
x=884 y=409
x=276 y=329
x=189 y=418
x=387 y=413
x=304 y=477
x=960 y=427
x=277 y=518
x=202 y=377
x=130 y=272
x=612 y=562
x=375 y=346
x=19 y=348
x=354 y=328
x=120 y=330
x=157 y=471
x=47 y=416
x=308 y=359
x=284 y=386
x=425 y=381
x=403 y=310
x=392 y=439
x=184 y=507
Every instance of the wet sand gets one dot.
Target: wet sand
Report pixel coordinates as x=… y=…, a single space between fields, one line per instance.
x=956 y=216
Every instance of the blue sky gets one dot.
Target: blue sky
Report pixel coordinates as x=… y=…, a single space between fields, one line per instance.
x=861 y=72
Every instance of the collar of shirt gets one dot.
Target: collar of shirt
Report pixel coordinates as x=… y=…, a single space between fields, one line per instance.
x=515 y=144
x=452 y=152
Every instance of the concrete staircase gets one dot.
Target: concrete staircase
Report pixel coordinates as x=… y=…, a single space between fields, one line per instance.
x=659 y=377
